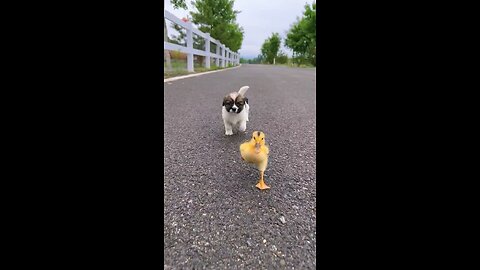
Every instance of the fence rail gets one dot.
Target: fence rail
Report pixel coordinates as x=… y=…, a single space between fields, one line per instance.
x=223 y=55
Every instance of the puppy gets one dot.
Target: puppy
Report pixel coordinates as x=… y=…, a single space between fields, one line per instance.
x=235 y=110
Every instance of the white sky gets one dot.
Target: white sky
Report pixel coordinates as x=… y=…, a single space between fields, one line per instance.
x=259 y=19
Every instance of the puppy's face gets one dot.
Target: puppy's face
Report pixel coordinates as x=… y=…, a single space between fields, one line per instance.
x=234 y=102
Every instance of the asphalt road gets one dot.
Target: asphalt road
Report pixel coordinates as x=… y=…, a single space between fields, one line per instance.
x=215 y=217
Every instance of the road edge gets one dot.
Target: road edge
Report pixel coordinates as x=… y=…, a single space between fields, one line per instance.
x=198 y=74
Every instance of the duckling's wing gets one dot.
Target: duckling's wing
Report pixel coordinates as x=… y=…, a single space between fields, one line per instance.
x=243 y=148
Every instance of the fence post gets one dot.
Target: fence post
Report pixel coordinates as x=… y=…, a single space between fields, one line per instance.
x=217 y=54
x=190 y=47
x=228 y=57
x=207 y=48
x=223 y=55
x=220 y=54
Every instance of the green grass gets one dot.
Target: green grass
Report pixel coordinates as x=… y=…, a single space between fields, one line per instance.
x=296 y=66
x=289 y=64
x=179 y=68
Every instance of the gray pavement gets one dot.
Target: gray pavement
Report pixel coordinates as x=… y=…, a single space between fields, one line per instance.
x=215 y=217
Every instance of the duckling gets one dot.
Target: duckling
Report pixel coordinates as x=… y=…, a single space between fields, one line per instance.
x=256 y=151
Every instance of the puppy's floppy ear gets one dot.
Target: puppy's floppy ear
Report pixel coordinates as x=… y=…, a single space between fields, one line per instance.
x=225 y=100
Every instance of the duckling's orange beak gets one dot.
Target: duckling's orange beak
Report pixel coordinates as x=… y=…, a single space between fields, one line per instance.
x=257 y=147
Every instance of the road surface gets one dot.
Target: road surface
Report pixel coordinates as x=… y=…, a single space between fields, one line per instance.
x=215 y=217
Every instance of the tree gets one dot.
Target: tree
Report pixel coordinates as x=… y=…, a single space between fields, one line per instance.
x=259 y=59
x=179 y=4
x=218 y=18
x=198 y=42
x=282 y=58
x=302 y=36
x=270 y=47
x=256 y=60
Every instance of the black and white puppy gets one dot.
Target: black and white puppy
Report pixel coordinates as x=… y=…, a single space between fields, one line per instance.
x=235 y=111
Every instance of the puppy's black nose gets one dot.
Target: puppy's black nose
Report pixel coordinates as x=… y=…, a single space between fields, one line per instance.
x=234 y=110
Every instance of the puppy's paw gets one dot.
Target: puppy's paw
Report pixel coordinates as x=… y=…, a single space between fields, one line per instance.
x=228 y=133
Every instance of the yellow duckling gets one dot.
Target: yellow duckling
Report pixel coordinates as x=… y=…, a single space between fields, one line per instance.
x=255 y=151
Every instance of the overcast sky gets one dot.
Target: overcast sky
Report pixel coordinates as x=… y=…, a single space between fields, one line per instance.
x=259 y=19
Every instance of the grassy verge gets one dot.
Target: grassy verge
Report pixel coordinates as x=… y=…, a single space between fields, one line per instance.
x=179 y=68
x=295 y=65
x=285 y=65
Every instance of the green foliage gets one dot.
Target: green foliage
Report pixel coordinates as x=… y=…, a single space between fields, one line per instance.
x=257 y=60
x=299 y=59
x=260 y=59
x=198 y=42
x=270 y=47
x=282 y=58
x=218 y=18
x=302 y=37
x=179 y=4
x=181 y=38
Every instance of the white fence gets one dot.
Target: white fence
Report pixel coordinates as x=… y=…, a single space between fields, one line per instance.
x=223 y=55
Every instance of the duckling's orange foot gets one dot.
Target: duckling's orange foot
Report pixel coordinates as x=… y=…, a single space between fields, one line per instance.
x=261 y=185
